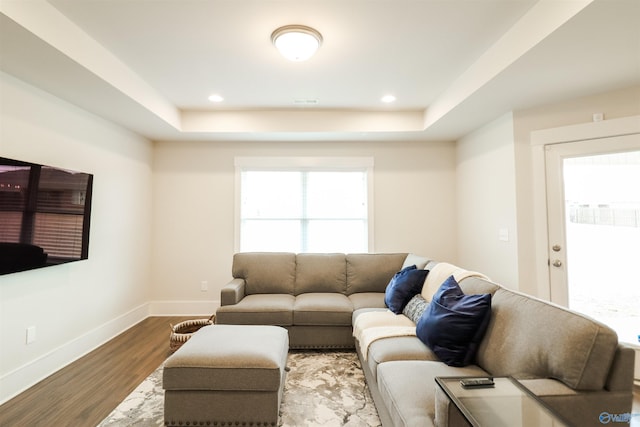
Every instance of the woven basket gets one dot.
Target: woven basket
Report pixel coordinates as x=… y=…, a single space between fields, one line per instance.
x=181 y=332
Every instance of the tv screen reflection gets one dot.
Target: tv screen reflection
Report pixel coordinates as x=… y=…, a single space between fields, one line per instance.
x=44 y=215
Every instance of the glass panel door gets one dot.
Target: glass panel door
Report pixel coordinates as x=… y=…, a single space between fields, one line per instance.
x=593 y=208
x=602 y=220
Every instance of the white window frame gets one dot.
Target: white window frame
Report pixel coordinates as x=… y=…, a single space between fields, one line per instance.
x=305 y=163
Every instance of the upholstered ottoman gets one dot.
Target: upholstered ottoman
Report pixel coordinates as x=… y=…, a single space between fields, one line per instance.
x=226 y=375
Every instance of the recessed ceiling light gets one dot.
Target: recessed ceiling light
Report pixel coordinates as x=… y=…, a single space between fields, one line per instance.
x=296 y=42
x=216 y=98
x=388 y=99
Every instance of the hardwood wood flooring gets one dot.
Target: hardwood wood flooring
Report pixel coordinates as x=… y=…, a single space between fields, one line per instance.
x=86 y=391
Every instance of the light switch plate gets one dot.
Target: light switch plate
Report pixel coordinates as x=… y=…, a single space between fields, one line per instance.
x=31 y=334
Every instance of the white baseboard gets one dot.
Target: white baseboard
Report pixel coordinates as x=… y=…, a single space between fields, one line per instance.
x=25 y=376
x=183 y=308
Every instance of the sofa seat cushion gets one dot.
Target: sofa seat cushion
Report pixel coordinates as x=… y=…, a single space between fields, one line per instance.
x=397 y=348
x=408 y=389
x=360 y=311
x=373 y=323
x=259 y=309
x=367 y=300
x=322 y=309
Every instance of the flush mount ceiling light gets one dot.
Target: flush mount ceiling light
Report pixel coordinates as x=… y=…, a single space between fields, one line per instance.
x=296 y=42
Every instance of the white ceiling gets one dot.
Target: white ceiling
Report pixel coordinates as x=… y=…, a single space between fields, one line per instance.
x=453 y=65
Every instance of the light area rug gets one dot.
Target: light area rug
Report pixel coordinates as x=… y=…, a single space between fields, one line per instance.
x=325 y=389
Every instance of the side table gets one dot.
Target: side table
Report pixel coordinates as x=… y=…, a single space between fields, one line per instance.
x=506 y=404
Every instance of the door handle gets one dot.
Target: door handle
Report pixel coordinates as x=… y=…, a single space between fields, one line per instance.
x=557 y=263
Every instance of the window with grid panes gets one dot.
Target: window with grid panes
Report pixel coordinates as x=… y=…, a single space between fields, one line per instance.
x=304 y=204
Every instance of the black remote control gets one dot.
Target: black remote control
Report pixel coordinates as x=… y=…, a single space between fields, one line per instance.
x=477 y=383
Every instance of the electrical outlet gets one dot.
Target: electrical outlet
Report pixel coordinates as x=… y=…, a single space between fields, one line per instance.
x=204 y=286
x=31 y=334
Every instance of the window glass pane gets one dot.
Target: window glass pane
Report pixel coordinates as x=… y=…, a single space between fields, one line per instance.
x=270 y=236
x=336 y=195
x=271 y=194
x=602 y=207
x=337 y=236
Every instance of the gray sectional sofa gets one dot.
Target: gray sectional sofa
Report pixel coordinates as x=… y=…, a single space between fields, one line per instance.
x=573 y=363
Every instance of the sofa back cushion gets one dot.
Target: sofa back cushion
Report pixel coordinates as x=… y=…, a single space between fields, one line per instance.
x=477 y=285
x=295 y=274
x=265 y=272
x=531 y=338
x=372 y=272
x=321 y=273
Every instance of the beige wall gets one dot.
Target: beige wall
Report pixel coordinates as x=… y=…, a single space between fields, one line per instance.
x=75 y=306
x=193 y=222
x=486 y=205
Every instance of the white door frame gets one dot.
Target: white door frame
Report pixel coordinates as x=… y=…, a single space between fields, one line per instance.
x=540 y=140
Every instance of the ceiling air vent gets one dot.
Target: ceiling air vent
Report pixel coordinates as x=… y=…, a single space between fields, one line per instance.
x=301 y=101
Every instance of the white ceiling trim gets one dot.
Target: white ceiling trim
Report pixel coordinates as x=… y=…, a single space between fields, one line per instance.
x=47 y=23
x=538 y=23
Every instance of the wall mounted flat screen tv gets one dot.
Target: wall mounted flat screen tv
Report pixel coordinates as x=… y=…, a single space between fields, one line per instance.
x=45 y=215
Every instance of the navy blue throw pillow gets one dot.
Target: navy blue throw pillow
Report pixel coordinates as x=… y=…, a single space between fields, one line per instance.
x=403 y=286
x=454 y=323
